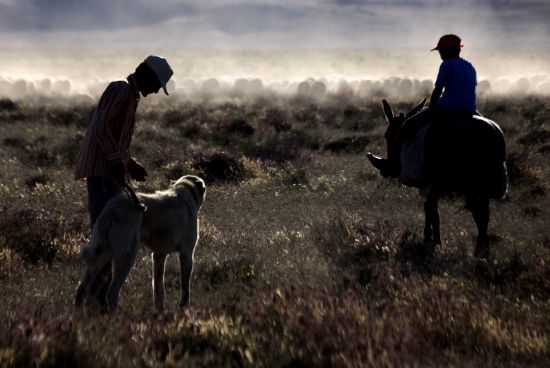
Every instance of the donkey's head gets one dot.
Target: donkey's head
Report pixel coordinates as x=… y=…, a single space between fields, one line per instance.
x=387 y=167
x=396 y=121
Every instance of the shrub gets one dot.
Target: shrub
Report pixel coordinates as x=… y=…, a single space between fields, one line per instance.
x=31 y=233
x=179 y=115
x=219 y=167
x=68 y=148
x=239 y=272
x=353 y=144
x=358 y=119
x=174 y=169
x=241 y=127
x=307 y=115
x=277 y=119
x=296 y=177
x=41 y=157
x=190 y=128
x=78 y=115
x=215 y=341
x=8 y=105
x=16 y=142
x=534 y=137
x=281 y=147
x=172 y=117
x=33 y=181
x=360 y=250
x=9 y=110
x=38 y=341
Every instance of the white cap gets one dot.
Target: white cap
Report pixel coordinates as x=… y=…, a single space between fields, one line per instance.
x=161 y=68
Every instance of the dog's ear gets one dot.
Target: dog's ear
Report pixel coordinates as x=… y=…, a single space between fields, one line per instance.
x=199 y=184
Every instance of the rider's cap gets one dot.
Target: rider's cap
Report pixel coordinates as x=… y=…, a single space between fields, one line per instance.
x=448 y=41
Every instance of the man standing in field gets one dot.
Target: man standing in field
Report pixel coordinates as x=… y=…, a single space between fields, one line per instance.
x=104 y=160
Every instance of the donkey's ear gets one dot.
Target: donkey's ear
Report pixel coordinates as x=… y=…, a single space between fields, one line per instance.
x=387 y=110
x=417 y=108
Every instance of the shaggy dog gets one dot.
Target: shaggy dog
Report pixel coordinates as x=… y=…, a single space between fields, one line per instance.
x=169 y=225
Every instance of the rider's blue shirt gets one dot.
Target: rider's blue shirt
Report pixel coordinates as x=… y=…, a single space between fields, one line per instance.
x=458 y=79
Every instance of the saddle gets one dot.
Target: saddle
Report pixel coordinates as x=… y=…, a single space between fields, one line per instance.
x=459 y=153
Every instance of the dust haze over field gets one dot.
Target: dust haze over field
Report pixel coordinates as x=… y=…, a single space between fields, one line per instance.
x=279 y=43
x=215 y=71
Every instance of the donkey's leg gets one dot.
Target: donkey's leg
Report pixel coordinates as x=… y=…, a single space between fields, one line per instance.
x=435 y=223
x=159 y=261
x=479 y=206
x=428 y=234
x=431 y=228
x=186 y=267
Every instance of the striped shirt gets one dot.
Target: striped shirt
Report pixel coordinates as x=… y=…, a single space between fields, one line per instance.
x=108 y=137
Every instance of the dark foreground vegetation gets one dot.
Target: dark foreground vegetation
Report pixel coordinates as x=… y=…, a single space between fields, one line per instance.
x=307 y=257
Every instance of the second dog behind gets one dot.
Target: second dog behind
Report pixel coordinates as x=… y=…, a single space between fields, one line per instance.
x=169 y=225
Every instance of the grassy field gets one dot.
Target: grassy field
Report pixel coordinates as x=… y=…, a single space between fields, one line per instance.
x=307 y=257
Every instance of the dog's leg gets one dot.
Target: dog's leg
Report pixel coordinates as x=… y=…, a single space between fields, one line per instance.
x=100 y=285
x=123 y=264
x=186 y=267
x=83 y=289
x=159 y=261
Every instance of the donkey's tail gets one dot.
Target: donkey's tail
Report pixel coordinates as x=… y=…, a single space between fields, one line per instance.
x=500 y=184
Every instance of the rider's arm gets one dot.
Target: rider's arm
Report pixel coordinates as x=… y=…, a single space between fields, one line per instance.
x=436 y=94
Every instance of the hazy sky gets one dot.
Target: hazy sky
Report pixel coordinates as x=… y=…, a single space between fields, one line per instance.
x=362 y=24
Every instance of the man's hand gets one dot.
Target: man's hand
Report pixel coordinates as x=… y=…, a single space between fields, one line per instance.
x=136 y=171
x=117 y=173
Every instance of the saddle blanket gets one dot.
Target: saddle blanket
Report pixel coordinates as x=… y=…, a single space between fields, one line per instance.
x=413 y=164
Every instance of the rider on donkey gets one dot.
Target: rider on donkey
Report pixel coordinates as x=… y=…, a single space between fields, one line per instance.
x=457 y=81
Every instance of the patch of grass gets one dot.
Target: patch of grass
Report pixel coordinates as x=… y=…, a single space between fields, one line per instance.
x=41 y=342
x=523 y=176
x=534 y=137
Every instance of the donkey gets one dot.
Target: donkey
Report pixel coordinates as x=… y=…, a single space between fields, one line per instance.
x=470 y=161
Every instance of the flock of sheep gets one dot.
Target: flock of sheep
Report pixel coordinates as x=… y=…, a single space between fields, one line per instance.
x=395 y=88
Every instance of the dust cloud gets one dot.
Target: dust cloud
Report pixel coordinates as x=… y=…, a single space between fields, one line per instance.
x=245 y=72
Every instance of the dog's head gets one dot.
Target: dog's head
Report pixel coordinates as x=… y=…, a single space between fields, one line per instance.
x=193 y=184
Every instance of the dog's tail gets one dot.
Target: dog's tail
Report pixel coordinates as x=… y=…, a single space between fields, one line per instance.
x=98 y=252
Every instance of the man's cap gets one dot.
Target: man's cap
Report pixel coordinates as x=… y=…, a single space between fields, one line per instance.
x=161 y=68
x=448 y=41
